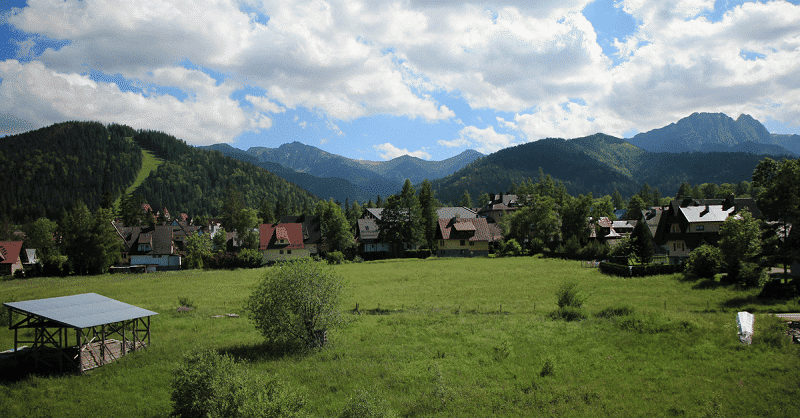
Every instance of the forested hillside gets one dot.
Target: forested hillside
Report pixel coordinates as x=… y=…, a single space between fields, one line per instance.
x=598 y=164
x=194 y=181
x=46 y=170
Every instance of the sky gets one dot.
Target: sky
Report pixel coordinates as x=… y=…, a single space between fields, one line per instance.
x=376 y=80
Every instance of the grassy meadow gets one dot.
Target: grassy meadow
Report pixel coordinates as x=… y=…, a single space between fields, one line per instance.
x=448 y=337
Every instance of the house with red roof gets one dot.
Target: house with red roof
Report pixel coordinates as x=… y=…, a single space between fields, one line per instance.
x=282 y=241
x=463 y=237
x=10 y=260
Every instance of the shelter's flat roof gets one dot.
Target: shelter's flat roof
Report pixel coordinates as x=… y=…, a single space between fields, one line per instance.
x=81 y=311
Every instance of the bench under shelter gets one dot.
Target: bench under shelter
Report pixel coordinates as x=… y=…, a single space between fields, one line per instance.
x=102 y=330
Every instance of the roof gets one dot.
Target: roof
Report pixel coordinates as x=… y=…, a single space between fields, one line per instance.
x=495 y=232
x=374 y=212
x=81 y=311
x=269 y=233
x=709 y=213
x=452 y=212
x=312 y=230
x=9 y=251
x=477 y=229
x=368 y=229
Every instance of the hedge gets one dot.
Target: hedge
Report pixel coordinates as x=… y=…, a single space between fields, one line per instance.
x=640 y=270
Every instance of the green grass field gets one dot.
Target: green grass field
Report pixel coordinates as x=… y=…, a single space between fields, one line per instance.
x=432 y=340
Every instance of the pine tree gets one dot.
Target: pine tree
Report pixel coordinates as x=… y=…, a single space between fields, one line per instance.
x=430 y=220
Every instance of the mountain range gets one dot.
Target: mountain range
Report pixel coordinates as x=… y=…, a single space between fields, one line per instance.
x=333 y=176
x=95 y=163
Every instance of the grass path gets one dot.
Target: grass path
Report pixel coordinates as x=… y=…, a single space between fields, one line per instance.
x=149 y=163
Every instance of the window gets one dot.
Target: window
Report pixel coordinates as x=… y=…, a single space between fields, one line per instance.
x=288 y=251
x=471 y=243
x=674 y=228
x=366 y=227
x=462 y=242
x=699 y=228
x=280 y=252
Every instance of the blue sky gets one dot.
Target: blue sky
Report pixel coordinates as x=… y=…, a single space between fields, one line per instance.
x=367 y=81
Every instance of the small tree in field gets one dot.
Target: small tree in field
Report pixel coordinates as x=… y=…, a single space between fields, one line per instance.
x=296 y=303
x=705 y=261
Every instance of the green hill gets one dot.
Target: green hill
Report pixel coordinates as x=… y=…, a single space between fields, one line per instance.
x=46 y=170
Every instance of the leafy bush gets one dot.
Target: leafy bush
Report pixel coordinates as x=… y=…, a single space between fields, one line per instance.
x=595 y=250
x=753 y=275
x=537 y=246
x=510 y=248
x=366 y=404
x=296 y=303
x=335 y=257
x=184 y=301
x=653 y=324
x=568 y=295
x=249 y=258
x=568 y=314
x=705 y=261
x=207 y=384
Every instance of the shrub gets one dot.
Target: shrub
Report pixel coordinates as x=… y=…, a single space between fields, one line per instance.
x=568 y=314
x=366 y=404
x=705 y=262
x=510 y=248
x=207 y=384
x=595 y=250
x=568 y=295
x=537 y=246
x=335 y=257
x=753 y=275
x=296 y=303
x=184 y=301
x=249 y=258
x=421 y=253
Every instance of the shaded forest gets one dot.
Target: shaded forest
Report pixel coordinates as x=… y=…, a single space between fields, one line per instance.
x=46 y=170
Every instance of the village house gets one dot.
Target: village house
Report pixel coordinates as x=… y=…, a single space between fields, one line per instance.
x=153 y=246
x=686 y=224
x=282 y=241
x=10 y=259
x=499 y=206
x=463 y=237
x=312 y=232
x=610 y=232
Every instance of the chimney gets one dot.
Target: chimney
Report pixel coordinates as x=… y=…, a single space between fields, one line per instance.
x=705 y=211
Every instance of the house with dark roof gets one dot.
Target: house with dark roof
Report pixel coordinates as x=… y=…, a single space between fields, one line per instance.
x=154 y=246
x=686 y=224
x=368 y=237
x=456 y=212
x=10 y=260
x=282 y=241
x=312 y=232
x=463 y=237
x=610 y=232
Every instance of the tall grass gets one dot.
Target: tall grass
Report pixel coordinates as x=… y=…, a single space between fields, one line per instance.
x=432 y=339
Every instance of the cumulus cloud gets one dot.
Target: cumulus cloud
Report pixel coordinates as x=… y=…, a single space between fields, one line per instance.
x=484 y=140
x=679 y=62
x=33 y=93
x=349 y=59
x=388 y=151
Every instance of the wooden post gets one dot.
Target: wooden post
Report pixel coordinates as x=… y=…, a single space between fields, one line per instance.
x=103 y=344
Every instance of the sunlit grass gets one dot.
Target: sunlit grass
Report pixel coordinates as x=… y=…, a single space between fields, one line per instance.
x=442 y=345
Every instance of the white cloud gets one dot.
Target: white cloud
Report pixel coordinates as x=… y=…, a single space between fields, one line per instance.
x=388 y=151
x=264 y=104
x=348 y=59
x=484 y=140
x=41 y=96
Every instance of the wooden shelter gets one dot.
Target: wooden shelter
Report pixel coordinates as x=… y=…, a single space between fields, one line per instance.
x=91 y=319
